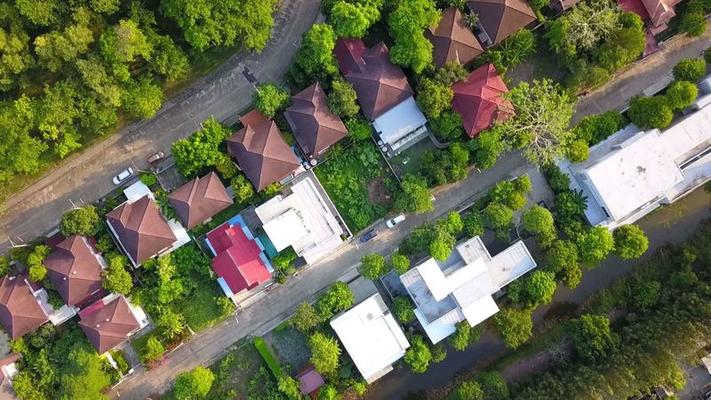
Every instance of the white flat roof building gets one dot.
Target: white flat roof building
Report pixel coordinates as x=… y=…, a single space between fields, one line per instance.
x=462 y=287
x=401 y=126
x=371 y=336
x=634 y=171
x=302 y=220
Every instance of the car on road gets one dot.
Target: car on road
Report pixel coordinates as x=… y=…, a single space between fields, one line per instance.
x=394 y=221
x=123 y=176
x=155 y=157
x=368 y=235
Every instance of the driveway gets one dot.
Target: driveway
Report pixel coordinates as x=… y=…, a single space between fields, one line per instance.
x=86 y=176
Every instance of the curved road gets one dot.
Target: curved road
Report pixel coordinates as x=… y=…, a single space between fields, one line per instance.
x=86 y=177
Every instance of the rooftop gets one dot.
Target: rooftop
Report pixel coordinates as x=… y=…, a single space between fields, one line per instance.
x=108 y=322
x=371 y=336
x=480 y=100
x=199 y=200
x=75 y=270
x=501 y=18
x=453 y=40
x=20 y=310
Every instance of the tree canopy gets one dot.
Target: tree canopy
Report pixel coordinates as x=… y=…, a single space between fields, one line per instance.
x=514 y=325
x=373 y=266
x=193 y=385
x=630 y=241
x=325 y=352
x=270 y=99
x=407 y=23
x=419 y=355
x=80 y=221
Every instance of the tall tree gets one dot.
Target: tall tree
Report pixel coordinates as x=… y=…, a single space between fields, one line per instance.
x=407 y=23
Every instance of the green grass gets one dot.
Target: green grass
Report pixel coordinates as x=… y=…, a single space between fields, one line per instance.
x=201 y=309
x=139 y=343
x=268 y=357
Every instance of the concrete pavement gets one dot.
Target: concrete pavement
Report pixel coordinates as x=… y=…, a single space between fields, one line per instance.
x=86 y=176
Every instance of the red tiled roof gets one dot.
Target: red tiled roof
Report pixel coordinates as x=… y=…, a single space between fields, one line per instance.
x=141 y=229
x=379 y=84
x=501 y=18
x=199 y=199
x=453 y=40
x=315 y=127
x=479 y=99
x=262 y=153
x=108 y=325
x=20 y=312
x=238 y=259
x=74 y=270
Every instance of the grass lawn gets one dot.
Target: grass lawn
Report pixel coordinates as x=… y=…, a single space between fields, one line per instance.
x=356 y=178
x=408 y=162
x=201 y=309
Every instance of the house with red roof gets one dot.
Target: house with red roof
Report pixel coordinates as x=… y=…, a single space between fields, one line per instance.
x=111 y=321
x=480 y=100
x=452 y=40
x=197 y=201
x=74 y=267
x=21 y=312
x=384 y=94
x=239 y=259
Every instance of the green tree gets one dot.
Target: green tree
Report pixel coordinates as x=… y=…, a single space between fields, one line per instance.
x=447 y=126
x=469 y=390
x=270 y=99
x=342 y=100
x=577 y=151
x=562 y=255
x=35 y=260
x=124 y=43
x=414 y=196
x=592 y=338
x=358 y=128
x=493 y=385
x=407 y=23
x=487 y=147
x=515 y=326
x=83 y=221
x=315 y=56
x=692 y=21
x=534 y=289
x=473 y=224
x=305 y=318
x=497 y=216
x=328 y=392
x=539 y=221
x=403 y=309
x=171 y=324
x=193 y=385
x=226 y=23
x=630 y=242
x=336 y=299
x=595 y=128
x=650 y=112
x=373 y=266
x=464 y=336
x=143 y=100
x=242 y=188
x=56 y=48
x=115 y=277
x=441 y=245
x=399 y=262
x=289 y=387
x=681 y=94
x=434 y=97
x=39 y=12
x=84 y=376
x=595 y=244
x=153 y=351
x=418 y=356
x=37 y=272
x=352 y=19
x=325 y=353
x=645 y=293
x=5 y=265
x=168 y=59
x=201 y=149
x=689 y=69
x=540 y=125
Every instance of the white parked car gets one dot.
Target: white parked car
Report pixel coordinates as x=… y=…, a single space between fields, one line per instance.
x=123 y=176
x=395 y=220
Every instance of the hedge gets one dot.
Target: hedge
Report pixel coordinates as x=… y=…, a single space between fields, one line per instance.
x=268 y=357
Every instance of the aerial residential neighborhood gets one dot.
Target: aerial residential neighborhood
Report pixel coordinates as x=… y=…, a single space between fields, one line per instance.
x=355 y=199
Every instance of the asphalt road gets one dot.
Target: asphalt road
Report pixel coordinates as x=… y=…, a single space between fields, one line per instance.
x=86 y=177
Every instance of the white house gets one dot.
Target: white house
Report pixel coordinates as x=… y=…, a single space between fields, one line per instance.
x=461 y=287
x=371 y=336
x=634 y=171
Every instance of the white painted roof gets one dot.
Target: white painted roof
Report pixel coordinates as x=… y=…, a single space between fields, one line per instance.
x=442 y=286
x=441 y=328
x=371 y=336
x=480 y=310
x=301 y=220
x=136 y=191
x=400 y=120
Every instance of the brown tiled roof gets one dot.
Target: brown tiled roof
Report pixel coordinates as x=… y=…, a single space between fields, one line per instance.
x=501 y=18
x=141 y=229
x=262 y=153
x=380 y=84
x=453 y=40
x=108 y=325
x=74 y=270
x=199 y=199
x=20 y=312
x=315 y=127
x=480 y=100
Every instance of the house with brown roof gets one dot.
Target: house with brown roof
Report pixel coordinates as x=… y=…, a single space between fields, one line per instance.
x=74 y=268
x=384 y=94
x=499 y=19
x=315 y=127
x=452 y=40
x=111 y=321
x=480 y=100
x=140 y=229
x=262 y=153
x=199 y=200
x=21 y=312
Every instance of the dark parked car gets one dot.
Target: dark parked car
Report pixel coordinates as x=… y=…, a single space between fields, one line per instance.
x=368 y=235
x=155 y=157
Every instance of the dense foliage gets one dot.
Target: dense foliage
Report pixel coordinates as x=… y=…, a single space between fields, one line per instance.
x=407 y=23
x=201 y=150
x=83 y=221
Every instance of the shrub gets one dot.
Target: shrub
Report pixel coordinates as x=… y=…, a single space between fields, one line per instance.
x=400 y=263
x=447 y=126
x=83 y=221
x=358 y=128
x=418 y=356
x=263 y=349
x=596 y=128
x=325 y=353
x=373 y=266
x=515 y=326
x=336 y=299
x=171 y=324
x=464 y=336
x=473 y=224
x=342 y=99
x=451 y=72
x=193 y=385
x=403 y=309
x=690 y=69
x=630 y=241
x=534 y=289
x=153 y=351
x=650 y=112
x=557 y=179
x=592 y=337
x=242 y=188
x=269 y=99
x=493 y=385
x=37 y=272
x=305 y=318
x=595 y=244
x=148 y=179
x=578 y=151
x=469 y=390
x=4 y=266
x=681 y=94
